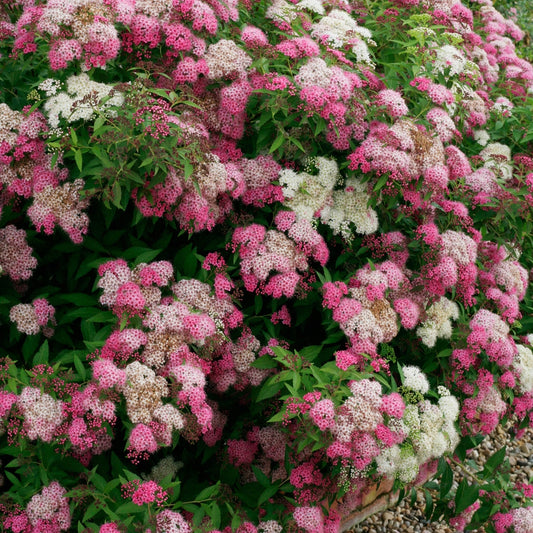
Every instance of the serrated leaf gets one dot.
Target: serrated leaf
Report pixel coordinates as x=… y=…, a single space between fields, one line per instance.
x=188 y=169
x=146 y=162
x=41 y=356
x=78 y=157
x=264 y=361
x=117 y=195
x=493 y=462
x=446 y=481
x=207 y=493
x=381 y=182
x=278 y=141
x=80 y=368
x=268 y=390
x=465 y=496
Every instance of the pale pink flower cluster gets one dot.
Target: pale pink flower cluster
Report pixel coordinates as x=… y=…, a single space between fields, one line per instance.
x=34 y=318
x=174 y=315
x=42 y=414
x=368 y=309
x=270 y=261
x=62 y=206
x=365 y=423
x=226 y=60
x=94 y=36
x=234 y=369
x=27 y=172
x=16 y=258
x=49 y=510
x=127 y=290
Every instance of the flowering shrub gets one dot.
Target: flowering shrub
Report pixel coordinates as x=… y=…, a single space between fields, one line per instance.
x=258 y=257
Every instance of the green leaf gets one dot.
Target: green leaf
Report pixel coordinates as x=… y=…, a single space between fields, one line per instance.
x=30 y=345
x=80 y=368
x=264 y=361
x=208 y=493
x=80 y=299
x=90 y=512
x=146 y=162
x=310 y=353
x=261 y=477
x=297 y=143
x=188 y=169
x=277 y=143
x=493 y=462
x=429 y=504
x=139 y=254
x=465 y=496
x=381 y=182
x=129 y=507
x=268 y=390
x=267 y=494
x=117 y=195
x=73 y=136
x=214 y=513
x=12 y=478
x=78 y=157
x=446 y=481
x=41 y=356
x=258 y=303
x=98 y=123
x=278 y=417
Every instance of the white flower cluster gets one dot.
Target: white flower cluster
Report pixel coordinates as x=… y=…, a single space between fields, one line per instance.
x=482 y=137
x=340 y=29
x=312 y=5
x=167 y=467
x=350 y=206
x=415 y=379
x=80 y=101
x=438 y=322
x=430 y=432
x=50 y=86
x=497 y=157
x=282 y=11
x=306 y=194
x=503 y=106
x=523 y=362
x=449 y=56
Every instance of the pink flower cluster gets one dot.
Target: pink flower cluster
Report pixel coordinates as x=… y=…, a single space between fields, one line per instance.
x=270 y=261
x=361 y=427
x=367 y=310
x=16 y=258
x=186 y=314
x=34 y=318
x=28 y=173
x=46 y=511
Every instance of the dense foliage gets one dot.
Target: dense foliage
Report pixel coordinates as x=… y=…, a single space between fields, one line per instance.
x=258 y=257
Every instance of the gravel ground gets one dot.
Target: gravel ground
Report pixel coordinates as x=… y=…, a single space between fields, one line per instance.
x=410 y=519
